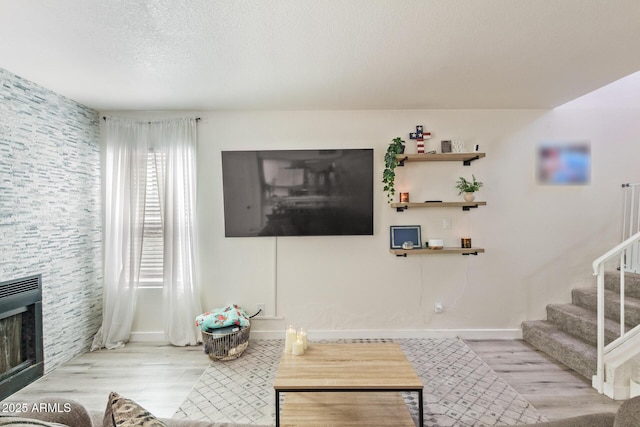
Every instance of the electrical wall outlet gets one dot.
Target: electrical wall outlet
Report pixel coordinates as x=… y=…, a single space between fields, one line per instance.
x=439 y=308
x=446 y=224
x=261 y=308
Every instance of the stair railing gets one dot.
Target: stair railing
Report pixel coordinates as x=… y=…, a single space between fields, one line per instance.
x=631 y=223
x=622 y=251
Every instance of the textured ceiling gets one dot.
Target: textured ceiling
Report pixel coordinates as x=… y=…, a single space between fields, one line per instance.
x=320 y=54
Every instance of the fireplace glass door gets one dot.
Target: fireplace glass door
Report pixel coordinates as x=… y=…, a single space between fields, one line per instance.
x=10 y=345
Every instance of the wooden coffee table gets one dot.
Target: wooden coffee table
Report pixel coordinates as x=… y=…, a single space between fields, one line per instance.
x=335 y=376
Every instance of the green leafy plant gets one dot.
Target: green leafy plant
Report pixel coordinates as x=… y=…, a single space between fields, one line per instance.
x=465 y=186
x=390 y=162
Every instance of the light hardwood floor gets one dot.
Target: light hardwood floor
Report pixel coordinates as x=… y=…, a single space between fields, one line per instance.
x=555 y=390
x=160 y=377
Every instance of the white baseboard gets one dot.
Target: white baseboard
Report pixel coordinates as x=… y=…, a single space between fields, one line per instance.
x=617 y=392
x=479 y=334
x=476 y=334
x=149 y=337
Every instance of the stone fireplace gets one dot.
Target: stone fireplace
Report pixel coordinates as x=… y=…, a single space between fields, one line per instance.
x=21 y=347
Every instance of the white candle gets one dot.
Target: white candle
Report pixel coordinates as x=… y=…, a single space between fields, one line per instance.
x=298 y=347
x=290 y=339
x=302 y=334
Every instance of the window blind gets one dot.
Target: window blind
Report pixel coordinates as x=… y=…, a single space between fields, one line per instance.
x=151 y=265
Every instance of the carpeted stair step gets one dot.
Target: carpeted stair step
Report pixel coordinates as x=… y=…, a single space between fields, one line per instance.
x=581 y=323
x=588 y=298
x=631 y=283
x=567 y=349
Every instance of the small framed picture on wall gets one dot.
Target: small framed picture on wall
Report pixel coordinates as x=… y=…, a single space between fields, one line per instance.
x=564 y=163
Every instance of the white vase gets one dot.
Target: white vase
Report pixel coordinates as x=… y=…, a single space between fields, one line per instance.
x=469 y=197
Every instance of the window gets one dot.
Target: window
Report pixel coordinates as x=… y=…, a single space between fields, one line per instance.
x=151 y=264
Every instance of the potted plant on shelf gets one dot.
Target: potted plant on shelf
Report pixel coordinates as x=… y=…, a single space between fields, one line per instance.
x=390 y=162
x=468 y=188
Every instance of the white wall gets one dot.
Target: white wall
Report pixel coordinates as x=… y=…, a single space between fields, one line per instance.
x=539 y=240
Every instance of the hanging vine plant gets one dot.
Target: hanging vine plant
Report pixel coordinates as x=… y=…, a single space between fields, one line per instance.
x=390 y=162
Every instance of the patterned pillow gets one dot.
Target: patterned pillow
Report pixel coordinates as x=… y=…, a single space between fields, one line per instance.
x=221 y=317
x=123 y=412
x=25 y=422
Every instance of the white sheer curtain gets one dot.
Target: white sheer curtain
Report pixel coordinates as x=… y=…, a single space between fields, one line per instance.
x=125 y=171
x=127 y=147
x=177 y=184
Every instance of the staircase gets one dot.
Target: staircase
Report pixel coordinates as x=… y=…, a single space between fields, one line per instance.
x=570 y=332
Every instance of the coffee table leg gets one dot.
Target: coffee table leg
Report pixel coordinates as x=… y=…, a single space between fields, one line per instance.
x=277 y=408
x=420 y=408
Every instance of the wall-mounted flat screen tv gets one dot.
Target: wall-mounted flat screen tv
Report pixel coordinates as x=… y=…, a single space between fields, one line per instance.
x=298 y=192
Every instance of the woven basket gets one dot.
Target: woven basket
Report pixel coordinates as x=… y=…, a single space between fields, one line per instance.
x=226 y=346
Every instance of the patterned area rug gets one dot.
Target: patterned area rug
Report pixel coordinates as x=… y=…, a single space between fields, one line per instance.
x=460 y=389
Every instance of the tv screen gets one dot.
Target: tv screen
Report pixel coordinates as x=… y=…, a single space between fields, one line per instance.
x=298 y=192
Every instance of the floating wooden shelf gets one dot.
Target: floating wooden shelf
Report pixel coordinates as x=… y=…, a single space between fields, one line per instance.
x=465 y=158
x=446 y=250
x=464 y=205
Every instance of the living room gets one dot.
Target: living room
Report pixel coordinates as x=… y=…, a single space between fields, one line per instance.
x=539 y=240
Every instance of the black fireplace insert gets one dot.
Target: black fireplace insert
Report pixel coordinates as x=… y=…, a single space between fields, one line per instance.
x=21 y=346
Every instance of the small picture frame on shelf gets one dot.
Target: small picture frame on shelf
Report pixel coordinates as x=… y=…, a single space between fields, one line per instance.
x=445 y=146
x=399 y=234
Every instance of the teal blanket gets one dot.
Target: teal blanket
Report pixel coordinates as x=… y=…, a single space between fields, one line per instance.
x=221 y=317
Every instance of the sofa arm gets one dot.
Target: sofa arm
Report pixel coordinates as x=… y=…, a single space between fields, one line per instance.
x=603 y=419
x=190 y=423
x=629 y=413
x=62 y=411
